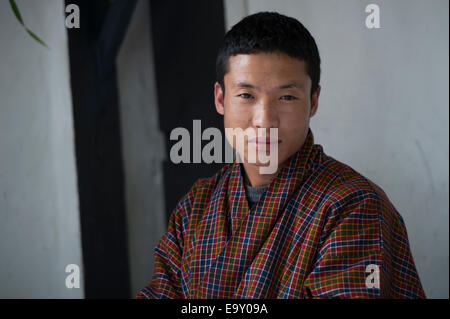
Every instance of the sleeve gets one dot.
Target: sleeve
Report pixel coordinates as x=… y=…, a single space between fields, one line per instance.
x=166 y=279
x=364 y=254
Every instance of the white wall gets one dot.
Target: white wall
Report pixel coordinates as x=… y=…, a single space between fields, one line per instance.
x=384 y=107
x=39 y=228
x=142 y=147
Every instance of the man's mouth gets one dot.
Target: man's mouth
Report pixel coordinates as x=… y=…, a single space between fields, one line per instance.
x=263 y=142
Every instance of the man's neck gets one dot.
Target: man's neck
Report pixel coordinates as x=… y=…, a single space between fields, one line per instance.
x=253 y=177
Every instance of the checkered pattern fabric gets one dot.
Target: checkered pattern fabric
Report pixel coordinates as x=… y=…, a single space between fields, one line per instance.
x=321 y=230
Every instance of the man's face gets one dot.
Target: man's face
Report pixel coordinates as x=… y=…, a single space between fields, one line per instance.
x=263 y=91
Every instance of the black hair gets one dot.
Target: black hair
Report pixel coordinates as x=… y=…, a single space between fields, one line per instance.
x=270 y=32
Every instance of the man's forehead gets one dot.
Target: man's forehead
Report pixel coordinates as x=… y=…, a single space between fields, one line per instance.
x=264 y=59
x=279 y=69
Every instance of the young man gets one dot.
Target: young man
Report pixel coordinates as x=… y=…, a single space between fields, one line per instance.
x=314 y=228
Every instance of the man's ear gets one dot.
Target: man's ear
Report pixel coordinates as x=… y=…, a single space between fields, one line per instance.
x=315 y=102
x=218 y=98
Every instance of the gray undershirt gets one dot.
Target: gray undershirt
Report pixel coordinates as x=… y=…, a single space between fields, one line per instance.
x=254 y=194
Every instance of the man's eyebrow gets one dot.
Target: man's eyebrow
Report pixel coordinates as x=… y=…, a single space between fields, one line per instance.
x=290 y=86
x=246 y=85
x=281 y=87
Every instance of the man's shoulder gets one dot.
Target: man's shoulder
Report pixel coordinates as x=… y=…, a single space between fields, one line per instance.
x=210 y=183
x=344 y=182
x=350 y=193
x=203 y=188
x=191 y=206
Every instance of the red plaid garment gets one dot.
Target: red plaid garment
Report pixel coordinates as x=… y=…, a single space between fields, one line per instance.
x=313 y=234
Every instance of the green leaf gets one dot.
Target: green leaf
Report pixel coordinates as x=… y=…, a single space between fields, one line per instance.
x=36 y=38
x=19 y=17
x=16 y=11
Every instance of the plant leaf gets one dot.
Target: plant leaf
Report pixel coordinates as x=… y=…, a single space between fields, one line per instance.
x=16 y=11
x=36 y=37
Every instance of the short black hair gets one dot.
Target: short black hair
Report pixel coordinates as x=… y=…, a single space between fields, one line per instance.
x=270 y=32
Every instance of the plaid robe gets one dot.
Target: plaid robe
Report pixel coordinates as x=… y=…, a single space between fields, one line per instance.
x=313 y=234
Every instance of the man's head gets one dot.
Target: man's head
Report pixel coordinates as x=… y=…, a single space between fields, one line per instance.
x=268 y=32
x=268 y=73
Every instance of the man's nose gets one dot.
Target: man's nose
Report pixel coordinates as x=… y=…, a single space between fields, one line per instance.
x=265 y=115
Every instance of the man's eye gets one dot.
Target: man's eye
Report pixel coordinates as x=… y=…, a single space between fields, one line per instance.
x=288 y=97
x=245 y=95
